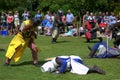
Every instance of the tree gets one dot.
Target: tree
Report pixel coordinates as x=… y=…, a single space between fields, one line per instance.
x=76 y=6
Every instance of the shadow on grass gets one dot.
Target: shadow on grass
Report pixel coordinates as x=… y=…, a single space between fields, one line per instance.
x=91 y=41
x=62 y=41
x=28 y=63
x=2 y=50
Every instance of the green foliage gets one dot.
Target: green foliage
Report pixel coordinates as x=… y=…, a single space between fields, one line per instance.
x=102 y=5
x=77 y=6
x=117 y=8
x=54 y=8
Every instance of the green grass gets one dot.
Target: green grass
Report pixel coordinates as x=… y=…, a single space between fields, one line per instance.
x=24 y=70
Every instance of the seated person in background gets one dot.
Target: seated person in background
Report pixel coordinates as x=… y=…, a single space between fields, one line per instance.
x=48 y=27
x=103 y=51
x=72 y=31
x=74 y=64
x=81 y=31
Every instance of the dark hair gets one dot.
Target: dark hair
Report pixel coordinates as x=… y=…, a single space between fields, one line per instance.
x=35 y=22
x=58 y=61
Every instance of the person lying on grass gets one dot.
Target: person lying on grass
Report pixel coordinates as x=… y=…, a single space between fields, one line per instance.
x=102 y=50
x=72 y=32
x=73 y=64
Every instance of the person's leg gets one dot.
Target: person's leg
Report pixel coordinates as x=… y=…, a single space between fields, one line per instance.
x=94 y=49
x=34 y=50
x=7 y=62
x=55 y=34
x=96 y=69
x=92 y=52
x=63 y=29
x=53 y=37
x=89 y=48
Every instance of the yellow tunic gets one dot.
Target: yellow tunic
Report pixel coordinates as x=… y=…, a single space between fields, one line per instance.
x=17 y=46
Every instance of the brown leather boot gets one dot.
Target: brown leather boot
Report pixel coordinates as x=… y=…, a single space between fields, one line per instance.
x=98 y=70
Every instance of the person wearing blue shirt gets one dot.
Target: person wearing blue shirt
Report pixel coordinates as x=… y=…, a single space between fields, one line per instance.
x=112 y=19
x=72 y=31
x=69 y=19
x=48 y=27
x=104 y=51
x=49 y=24
x=26 y=15
x=38 y=16
x=44 y=22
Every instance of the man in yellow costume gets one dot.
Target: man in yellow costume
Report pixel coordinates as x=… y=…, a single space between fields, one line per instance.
x=25 y=37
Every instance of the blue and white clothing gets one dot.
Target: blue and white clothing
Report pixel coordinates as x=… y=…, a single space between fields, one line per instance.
x=71 y=63
x=49 y=24
x=44 y=22
x=106 y=19
x=70 y=32
x=112 y=20
x=48 y=17
x=38 y=15
x=25 y=16
x=69 y=18
x=66 y=63
x=104 y=51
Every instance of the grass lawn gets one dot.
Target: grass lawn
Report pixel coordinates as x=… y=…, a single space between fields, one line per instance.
x=25 y=70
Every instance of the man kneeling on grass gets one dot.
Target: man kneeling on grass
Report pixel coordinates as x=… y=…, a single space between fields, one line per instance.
x=74 y=64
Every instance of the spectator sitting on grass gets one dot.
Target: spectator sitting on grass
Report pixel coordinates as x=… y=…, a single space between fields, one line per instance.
x=72 y=32
x=48 y=27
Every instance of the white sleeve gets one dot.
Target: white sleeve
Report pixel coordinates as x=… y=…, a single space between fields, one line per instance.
x=22 y=26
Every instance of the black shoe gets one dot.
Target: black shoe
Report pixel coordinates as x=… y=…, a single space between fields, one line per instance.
x=98 y=70
x=6 y=64
x=36 y=65
x=2 y=49
x=88 y=57
x=53 y=42
x=88 y=40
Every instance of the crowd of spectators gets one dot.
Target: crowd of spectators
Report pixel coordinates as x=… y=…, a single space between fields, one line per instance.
x=102 y=20
x=10 y=21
